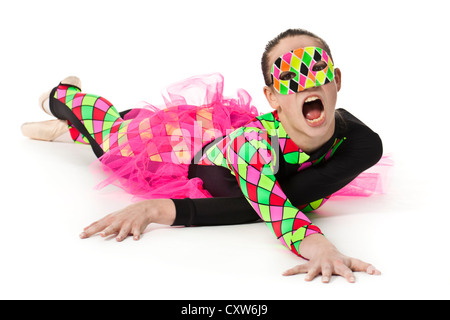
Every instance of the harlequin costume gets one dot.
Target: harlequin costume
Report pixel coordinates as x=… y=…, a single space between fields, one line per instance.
x=219 y=159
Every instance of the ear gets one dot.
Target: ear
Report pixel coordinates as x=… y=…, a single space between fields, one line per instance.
x=338 y=78
x=271 y=97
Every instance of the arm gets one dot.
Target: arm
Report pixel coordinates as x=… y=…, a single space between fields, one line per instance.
x=213 y=211
x=323 y=256
x=248 y=156
x=361 y=150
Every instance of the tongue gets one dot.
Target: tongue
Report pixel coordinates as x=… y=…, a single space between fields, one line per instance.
x=312 y=110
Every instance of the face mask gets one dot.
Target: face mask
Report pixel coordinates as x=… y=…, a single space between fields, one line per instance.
x=301 y=69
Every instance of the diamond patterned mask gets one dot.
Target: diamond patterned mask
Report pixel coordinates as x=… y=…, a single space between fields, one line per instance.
x=301 y=69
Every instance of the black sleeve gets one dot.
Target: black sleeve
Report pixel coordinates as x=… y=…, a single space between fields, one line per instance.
x=228 y=205
x=213 y=211
x=361 y=150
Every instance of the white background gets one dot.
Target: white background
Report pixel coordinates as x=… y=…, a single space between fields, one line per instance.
x=394 y=61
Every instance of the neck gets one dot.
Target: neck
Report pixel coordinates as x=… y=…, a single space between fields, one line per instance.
x=308 y=143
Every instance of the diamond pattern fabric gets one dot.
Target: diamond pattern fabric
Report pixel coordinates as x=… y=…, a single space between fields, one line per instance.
x=251 y=154
x=97 y=114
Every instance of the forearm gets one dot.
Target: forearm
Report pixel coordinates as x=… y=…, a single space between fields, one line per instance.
x=250 y=159
x=213 y=211
x=328 y=177
x=314 y=183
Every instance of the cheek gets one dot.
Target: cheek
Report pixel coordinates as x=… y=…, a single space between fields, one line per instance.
x=331 y=99
x=288 y=103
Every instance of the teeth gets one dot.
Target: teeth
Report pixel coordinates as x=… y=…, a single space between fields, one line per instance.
x=311 y=99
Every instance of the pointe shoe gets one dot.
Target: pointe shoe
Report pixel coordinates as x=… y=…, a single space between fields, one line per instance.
x=50 y=130
x=44 y=98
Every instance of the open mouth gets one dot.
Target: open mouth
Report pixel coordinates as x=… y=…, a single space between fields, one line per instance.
x=313 y=111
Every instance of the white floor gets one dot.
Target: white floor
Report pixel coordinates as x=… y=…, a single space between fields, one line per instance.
x=402 y=233
x=47 y=190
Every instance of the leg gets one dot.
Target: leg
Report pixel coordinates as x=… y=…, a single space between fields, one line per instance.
x=92 y=119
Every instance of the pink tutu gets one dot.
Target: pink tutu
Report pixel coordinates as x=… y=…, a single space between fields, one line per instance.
x=160 y=143
x=372 y=181
x=155 y=164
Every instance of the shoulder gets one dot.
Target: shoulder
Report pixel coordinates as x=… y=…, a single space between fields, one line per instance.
x=347 y=123
x=358 y=135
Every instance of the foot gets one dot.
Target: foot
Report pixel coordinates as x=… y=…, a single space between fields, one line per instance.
x=44 y=98
x=50 y=130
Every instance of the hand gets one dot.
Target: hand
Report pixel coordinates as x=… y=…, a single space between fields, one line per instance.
x=325 y=259
x=133 y=219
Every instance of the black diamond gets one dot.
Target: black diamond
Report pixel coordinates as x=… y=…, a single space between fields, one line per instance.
x=278 y=63
x=304 y=70
x=293 y=85
x=317 y=55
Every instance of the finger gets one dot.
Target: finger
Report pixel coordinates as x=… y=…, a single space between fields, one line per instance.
x=123 y=233
x=89 y=226
x=312 y=273
x=136 y=233
x=372 y=270
x=361 y=266
x=302 y=268
x=358 y=265
x=108 y=231
x=327 y=271
x=341 y=269
x=93 y=229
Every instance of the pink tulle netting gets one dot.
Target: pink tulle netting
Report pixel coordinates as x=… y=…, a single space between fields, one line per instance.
x=195 y=113
x=374 y=180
